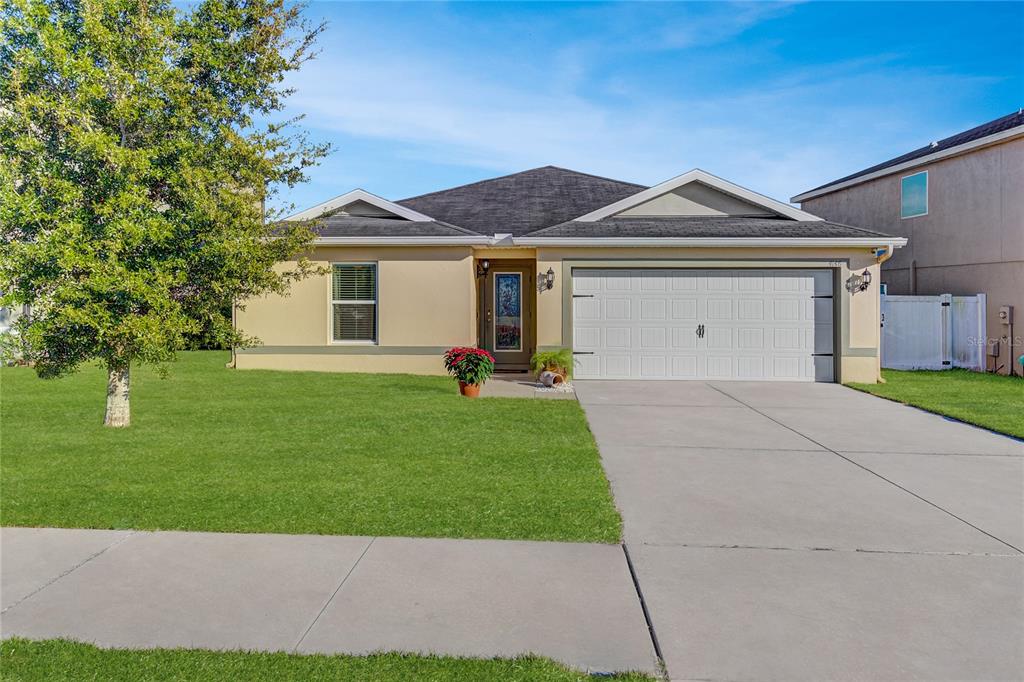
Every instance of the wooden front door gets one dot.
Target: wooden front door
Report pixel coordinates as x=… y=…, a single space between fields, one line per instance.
x=507 y=314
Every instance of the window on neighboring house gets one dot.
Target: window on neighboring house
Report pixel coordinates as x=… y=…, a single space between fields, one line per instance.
x=914 y=195
x=354 y=302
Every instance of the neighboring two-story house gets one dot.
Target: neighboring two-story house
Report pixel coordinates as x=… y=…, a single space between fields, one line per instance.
x=960 y=201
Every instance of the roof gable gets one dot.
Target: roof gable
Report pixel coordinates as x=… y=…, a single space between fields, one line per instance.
x=696 y=199
x=361 y=203
x=522 y=202
x=697 y=193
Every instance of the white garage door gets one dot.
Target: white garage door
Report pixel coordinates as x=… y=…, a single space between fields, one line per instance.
x=767 y=325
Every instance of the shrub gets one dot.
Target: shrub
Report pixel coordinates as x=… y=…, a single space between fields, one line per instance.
x=469 y=365
x=559 y=361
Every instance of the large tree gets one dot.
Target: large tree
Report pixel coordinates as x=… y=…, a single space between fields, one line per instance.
x=138 y=144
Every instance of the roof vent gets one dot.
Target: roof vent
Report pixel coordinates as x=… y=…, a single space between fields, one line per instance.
x=933 y=145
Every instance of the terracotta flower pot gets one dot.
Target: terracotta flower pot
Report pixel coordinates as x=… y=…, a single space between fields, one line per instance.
x=469 y=390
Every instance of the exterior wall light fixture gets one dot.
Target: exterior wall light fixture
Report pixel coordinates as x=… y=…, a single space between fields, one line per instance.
x=859 y=282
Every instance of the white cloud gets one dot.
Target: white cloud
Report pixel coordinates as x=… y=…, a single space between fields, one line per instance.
x=778 y=137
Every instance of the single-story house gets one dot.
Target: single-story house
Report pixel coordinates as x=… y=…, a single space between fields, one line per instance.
x=694 y=278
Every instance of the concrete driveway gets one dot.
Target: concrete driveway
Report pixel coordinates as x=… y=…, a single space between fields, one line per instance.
x=809 y=531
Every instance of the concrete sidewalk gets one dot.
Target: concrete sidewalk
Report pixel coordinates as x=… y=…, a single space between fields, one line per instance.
x=573 y=602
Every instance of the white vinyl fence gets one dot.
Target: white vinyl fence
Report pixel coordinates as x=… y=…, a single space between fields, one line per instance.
x=933 y=332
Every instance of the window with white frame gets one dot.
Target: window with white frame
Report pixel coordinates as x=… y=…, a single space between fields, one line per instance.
x=354 y=302
x=914 y=195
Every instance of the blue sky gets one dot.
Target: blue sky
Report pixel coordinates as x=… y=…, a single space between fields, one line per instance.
x=777 y=97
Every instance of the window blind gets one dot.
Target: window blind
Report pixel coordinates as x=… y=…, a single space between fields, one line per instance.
x=354 y=302
x=356 y=282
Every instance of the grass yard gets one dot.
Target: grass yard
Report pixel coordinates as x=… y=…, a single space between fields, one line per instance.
x=216 y=449
x=63 y=660
x=988 y=400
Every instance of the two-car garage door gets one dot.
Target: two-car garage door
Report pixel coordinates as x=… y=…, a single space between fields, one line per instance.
x=767 y=325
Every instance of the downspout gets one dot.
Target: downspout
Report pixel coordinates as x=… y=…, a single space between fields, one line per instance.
x=881 y=255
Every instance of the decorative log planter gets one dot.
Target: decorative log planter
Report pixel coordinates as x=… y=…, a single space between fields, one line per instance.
x=550 y=379
x=469 y=390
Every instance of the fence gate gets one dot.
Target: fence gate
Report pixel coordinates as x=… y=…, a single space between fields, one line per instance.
x=933 y=332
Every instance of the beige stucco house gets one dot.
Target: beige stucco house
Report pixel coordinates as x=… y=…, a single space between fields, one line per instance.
x=695 y=278
x=960 y=201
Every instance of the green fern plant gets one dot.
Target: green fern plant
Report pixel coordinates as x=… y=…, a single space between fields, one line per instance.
x=553 y=360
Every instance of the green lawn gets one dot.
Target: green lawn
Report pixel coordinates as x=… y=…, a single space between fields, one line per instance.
x=62 y=660
x=217 y=449
x=988 y=400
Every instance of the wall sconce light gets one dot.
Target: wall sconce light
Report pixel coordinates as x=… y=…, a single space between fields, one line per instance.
x=859 y=282
x=482 y=267
x=548 y=279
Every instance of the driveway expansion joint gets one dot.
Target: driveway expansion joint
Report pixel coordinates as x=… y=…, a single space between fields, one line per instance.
x=935 y=454
x=673 y=446
x=856 y=550
x=754 y=560
x=872 y=472
x=643 y=607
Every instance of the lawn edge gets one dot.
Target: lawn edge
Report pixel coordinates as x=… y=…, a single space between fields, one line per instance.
x=603 y=543
x=862 y=388
x=12 y=641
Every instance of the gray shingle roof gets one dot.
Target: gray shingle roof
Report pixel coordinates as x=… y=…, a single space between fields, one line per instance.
x=984 y=130
x=356 y=226
x=544 y=202
x=521 y=202
x=704 y=227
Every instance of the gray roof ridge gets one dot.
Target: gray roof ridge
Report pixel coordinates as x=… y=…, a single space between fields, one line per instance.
x=870 y=233
x=398 y=220
x=593 y=175
x=464 y=230
x=509 y=175
x=469 y=184
x=534 y=233
x=738 y=216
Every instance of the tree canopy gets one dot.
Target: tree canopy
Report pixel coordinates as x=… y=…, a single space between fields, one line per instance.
x=139 y=143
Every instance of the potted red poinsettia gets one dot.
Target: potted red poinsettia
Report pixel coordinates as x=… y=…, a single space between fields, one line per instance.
x=471 y=366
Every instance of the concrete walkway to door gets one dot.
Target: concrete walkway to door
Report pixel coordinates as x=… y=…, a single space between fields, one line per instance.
x=809 y=531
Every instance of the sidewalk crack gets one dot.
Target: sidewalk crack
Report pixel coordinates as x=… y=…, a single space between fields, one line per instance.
x=71 y=570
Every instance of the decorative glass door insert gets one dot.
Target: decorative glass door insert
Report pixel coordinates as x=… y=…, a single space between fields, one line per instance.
x=508 y=311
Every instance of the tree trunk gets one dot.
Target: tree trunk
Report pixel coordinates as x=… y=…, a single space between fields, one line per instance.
x=118 y=409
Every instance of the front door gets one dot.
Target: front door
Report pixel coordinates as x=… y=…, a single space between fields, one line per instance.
x=507 y=317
